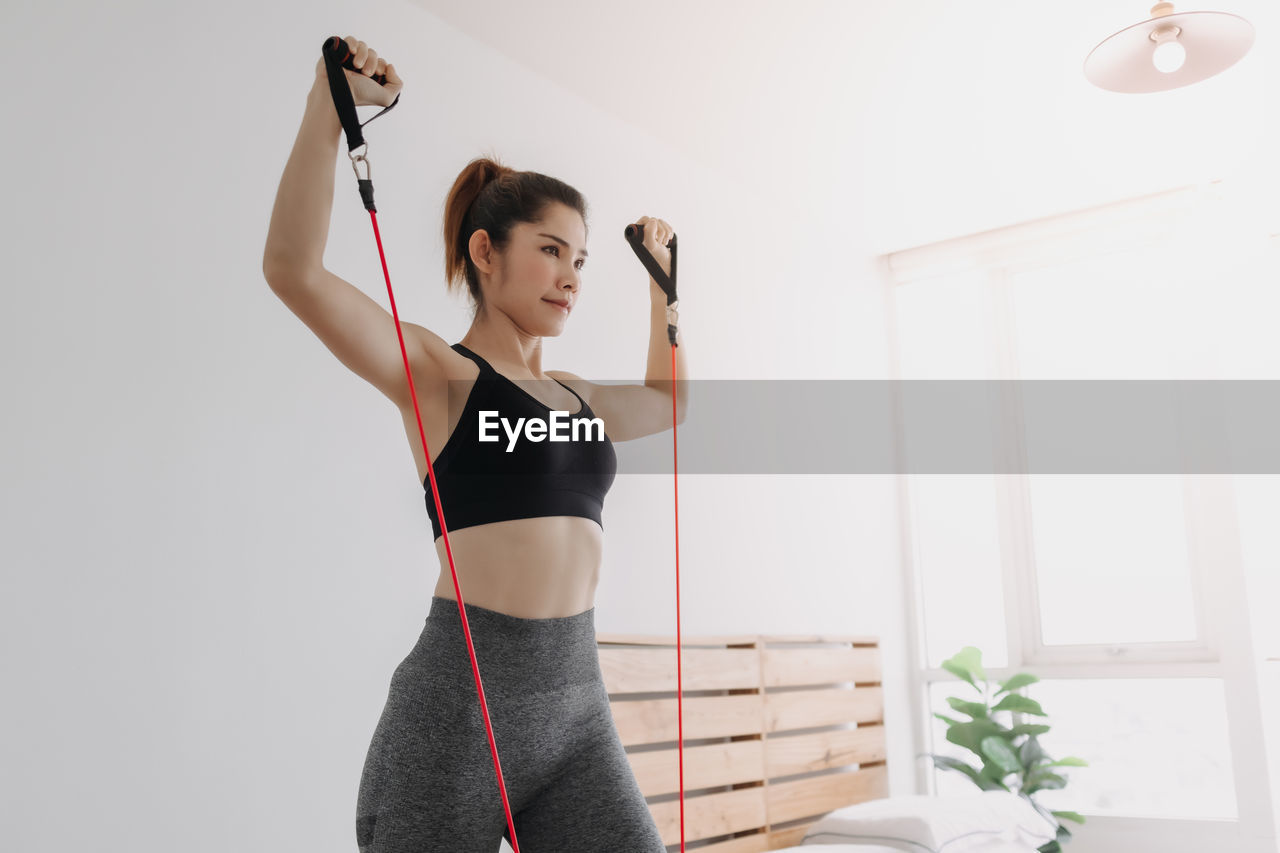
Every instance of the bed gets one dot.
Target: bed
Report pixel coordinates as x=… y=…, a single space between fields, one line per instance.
x=784 y=748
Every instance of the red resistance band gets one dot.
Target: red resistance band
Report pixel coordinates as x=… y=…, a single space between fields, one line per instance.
x=337 y=55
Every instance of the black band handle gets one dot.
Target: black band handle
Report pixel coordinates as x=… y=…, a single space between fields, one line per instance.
x=635 y=236
x=337 y=56
x=342 y=53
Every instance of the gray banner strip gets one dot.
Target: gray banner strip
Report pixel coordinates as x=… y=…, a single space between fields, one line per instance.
x=968 y=427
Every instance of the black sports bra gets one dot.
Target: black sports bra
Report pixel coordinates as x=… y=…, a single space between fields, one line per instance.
x=482 y=481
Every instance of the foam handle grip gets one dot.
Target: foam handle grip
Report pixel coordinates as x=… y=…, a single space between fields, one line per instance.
x=635 y=232
x=635 y=236
x=339 y=48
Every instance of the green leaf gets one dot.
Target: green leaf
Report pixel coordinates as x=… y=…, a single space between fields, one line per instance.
x=1069 y=761
x=998 y=750
x=977 y=710
x=1041 y=780
x=1076 y=816
x=961 y=673
x=947 y=762
x=946 y=719
x=966 y=664
x=986 y=783
x=1022 y=679
x=1031 y=753
x=1021 y=704
x=970 y=735
x=1028 y=729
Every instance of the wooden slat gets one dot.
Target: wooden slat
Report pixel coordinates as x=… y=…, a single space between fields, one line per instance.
x=761 y=842
x=851 y=639
x=670 y=640
x=796 y=667
x=657 y=720
x=653 y=670
x=707 y=766
x=801 y=709
x=757 y=715
x=788 y=755
x=818 y=795
x=710 y=815
x=757 y=843
x=790 y=837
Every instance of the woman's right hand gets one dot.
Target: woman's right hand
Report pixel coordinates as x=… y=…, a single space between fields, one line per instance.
x=364 y=90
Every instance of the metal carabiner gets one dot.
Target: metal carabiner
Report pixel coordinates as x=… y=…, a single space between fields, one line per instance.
x=368 y=170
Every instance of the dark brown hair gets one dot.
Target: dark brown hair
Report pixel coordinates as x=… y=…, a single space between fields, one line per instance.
x=491 y=196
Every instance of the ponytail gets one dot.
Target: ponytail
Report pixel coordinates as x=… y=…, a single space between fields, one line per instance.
x=490 y=196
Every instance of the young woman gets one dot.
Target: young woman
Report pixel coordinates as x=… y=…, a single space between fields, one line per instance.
x=523 y=516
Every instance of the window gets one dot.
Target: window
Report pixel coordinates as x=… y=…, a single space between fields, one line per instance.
x=1116 y=591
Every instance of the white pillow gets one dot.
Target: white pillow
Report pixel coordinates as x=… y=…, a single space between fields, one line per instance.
x=984 y=821
x=841 y=848
x=983 y=847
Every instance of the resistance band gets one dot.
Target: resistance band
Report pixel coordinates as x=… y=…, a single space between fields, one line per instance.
x=337 y=56
x=635 y=236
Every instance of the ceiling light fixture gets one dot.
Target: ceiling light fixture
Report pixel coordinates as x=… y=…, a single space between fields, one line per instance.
x=1169 y=51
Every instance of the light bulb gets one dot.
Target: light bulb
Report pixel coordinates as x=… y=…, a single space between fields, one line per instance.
x=1169 y=56
x=1169 y=53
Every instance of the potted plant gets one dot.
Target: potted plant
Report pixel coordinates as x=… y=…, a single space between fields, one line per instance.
x=997 y=745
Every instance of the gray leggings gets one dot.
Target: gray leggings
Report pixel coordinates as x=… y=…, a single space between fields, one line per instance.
x=429 y=784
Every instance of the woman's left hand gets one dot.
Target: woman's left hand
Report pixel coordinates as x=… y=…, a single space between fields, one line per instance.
x=657 y=233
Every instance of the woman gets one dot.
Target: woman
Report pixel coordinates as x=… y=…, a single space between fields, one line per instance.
x=524 y=523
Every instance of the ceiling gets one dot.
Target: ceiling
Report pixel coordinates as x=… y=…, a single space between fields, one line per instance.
x=938 y=118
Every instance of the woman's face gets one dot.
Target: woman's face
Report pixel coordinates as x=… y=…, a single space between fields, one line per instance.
x=541 y=267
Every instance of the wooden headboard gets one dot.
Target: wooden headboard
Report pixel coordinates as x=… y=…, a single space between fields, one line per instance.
x=758 y=711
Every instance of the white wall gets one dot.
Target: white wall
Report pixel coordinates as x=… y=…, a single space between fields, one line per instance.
x=215 y=547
